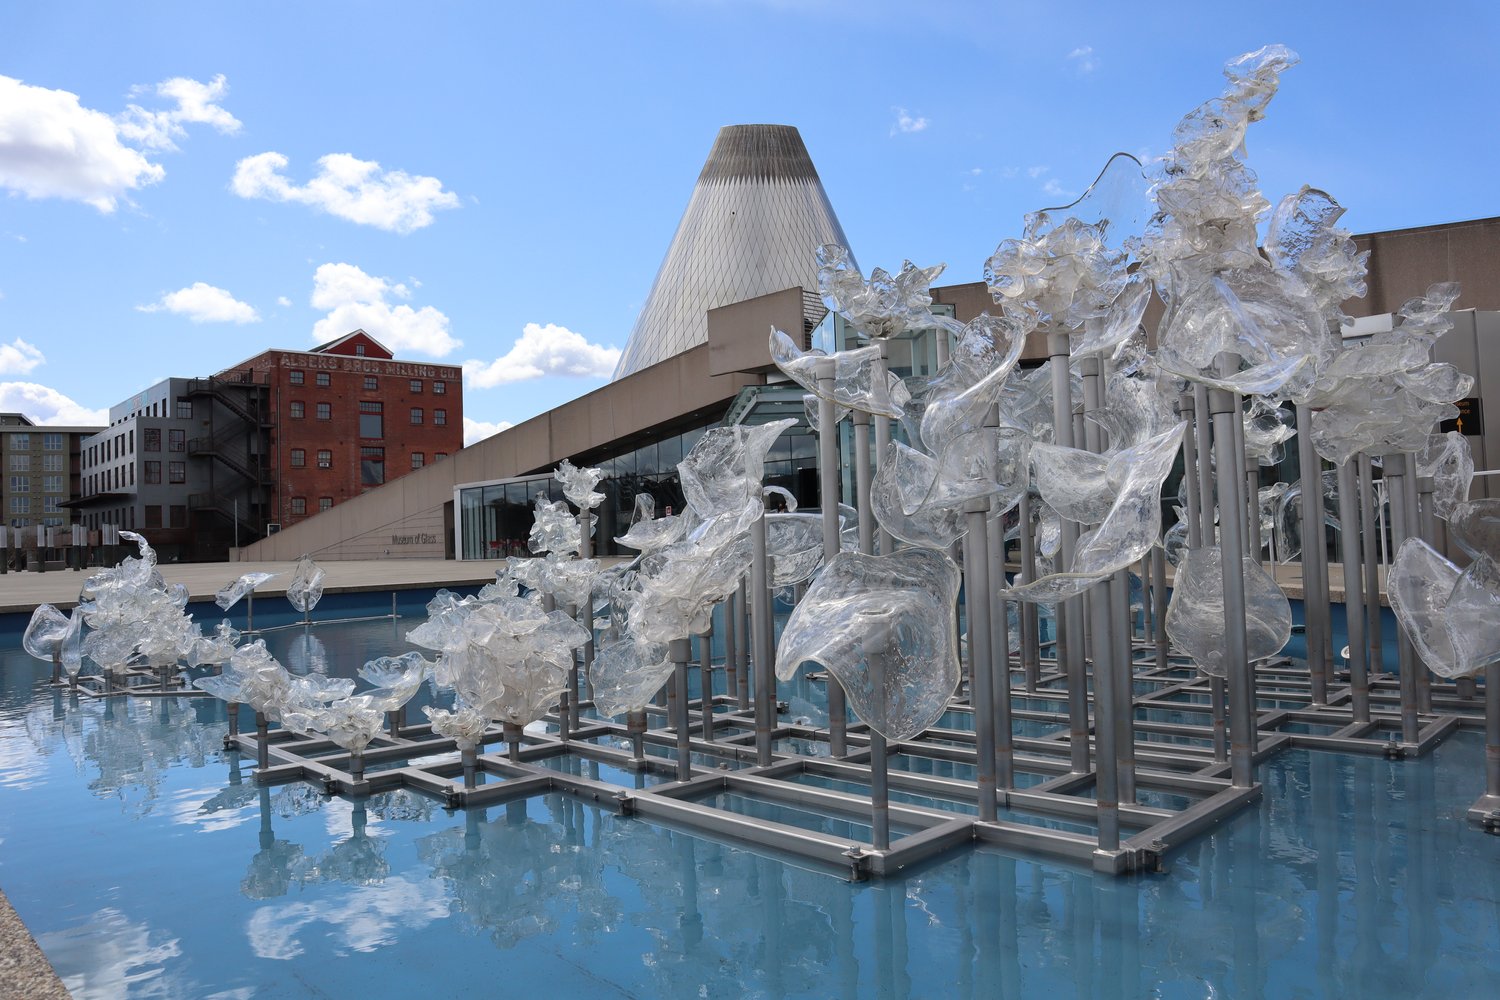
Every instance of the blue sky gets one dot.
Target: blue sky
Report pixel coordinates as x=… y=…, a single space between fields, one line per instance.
x=493 y=184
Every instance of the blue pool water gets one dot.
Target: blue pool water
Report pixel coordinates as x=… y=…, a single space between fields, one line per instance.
x=149 y=865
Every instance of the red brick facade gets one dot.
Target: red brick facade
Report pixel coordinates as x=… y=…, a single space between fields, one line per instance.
x=348 y=417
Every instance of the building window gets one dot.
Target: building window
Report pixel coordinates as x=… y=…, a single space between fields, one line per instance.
x=52 y=463
x=359 y=350
x=153 y=472
x=20 y=442
x=322 y=379
x=439 y=388
x=177 y=472
x=176 y=440
x=52 y=442
x=370 y=384
x=20 y=505
x=371 y=421
x=416 y=386
x=299 y=505
x=325 y=458
x=325 y=503
x=295 y=377
x=440 y=456
x=153 y=515
x=416 y=460
x=20 y=484
x=20 y=463
x=325 y=411
x=52 y=505
x=299 y=409
x=151 y=439
x=52 y=484
x=372 y=466
x=440 y=418
x=299 y=458
x=178 y=515
x=184 y=409
x=416 y=415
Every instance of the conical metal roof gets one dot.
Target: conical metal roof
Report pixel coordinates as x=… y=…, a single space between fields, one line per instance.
x=757 y=215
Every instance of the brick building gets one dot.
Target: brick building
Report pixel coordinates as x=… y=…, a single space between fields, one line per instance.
x=348 y=417
x=201 y=465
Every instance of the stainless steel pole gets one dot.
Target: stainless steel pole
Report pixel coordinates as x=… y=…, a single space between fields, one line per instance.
x=765 y=676
x=1069 y=613
x=981 y=662
x=1354 y=593
x=1395 y=472
x=828 y=494
x=1314 y=536
x=1223 y=408
x=1369 y=549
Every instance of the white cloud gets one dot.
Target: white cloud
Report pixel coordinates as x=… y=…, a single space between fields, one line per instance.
x=196 y=103
x=1053 y=189
x=542 y=351
x=283 y=301
x=350 y=188
x=478 y=430
x=47 y=406
x=19 y=358
x=1083 y=57
x=906 y=123
x=203 y=303
x=53 y=147
x=1035 y=172
x=359 y=301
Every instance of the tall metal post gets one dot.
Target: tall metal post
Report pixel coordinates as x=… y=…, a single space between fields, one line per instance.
x=680 y=651
x=1395 y=470
x=706 y=680
x=1314 y=539
x=765 y=668
x=862 y=477
x=586 y=654
x=1159 y=604
x=1031 y=653
x=1421 y=523
x=1201 y=533
x=1354 y=593
x=1108 y=610
x=1369 y=549
x=828 y=500
x=1005 y=751
x=882 y=426
x=742 y=643
x=728 y=610
x=1069 y=613
x=981 y=690
x=1243 y=735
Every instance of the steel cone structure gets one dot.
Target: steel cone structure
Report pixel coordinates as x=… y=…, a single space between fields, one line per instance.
x=757 y=212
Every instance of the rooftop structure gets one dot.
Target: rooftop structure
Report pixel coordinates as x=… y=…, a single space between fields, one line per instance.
x=756 y=214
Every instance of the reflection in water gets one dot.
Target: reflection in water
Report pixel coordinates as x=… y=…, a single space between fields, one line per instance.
x=1353 y=877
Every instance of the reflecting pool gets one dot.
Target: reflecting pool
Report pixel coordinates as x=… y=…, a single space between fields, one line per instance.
x=148 y=864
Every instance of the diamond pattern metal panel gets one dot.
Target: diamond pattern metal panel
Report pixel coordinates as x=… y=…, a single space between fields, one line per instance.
x=757 y=214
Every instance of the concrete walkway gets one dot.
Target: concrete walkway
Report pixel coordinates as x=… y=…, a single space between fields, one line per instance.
x=20 y=593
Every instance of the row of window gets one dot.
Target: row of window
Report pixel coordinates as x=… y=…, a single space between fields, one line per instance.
x=22 y=505
x=50 y=484
x=51 y=441
x=299 y=504
x=367 y=408
x=176 y=472
x=176 y=515
x=151 y=439
x=323 y=380
x=50 y=463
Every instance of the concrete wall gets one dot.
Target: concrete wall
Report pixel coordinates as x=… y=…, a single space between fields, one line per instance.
x=404 y=519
